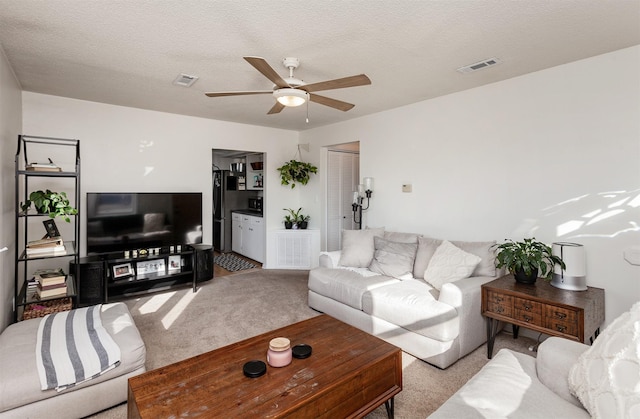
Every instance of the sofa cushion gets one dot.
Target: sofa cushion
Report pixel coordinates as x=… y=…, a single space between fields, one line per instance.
x=410 y=305
x=606 y=377
x=427 y=247
x=449 y=264
x=393 y=259
x=19 y=381
x=344 y=285
x=395 y=236
x=358 y=247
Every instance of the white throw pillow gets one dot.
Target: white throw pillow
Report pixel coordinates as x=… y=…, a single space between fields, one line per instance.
x=606 y=377
x=449 y=264
x=393 y=259
x=358 y=247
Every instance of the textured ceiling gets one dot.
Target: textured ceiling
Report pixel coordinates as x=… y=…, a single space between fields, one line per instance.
x=129 y=52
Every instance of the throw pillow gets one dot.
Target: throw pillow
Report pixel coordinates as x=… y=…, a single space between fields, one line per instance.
x=606 y=377
x=487 y=266
x=426 y=248
x=449 y=264
x=393 y=258
x=358 y=247
x=395 y=236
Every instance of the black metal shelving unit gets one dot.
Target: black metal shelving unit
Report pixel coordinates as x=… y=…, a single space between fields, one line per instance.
x=67 y=180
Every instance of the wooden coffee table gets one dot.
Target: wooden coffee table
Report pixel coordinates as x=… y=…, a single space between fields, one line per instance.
x=349 y=374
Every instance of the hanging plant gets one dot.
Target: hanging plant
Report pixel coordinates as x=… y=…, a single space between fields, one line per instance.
x=296 y=171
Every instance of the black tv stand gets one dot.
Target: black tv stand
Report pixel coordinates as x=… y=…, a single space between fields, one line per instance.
x=112 y=276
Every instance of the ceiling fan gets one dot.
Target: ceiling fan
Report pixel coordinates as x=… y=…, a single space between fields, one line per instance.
x=293 y=92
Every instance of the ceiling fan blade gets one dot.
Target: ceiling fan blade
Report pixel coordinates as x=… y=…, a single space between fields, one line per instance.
x=352 y=81
x=262 y=66
x=277 y=108
x=221 y=94
x=332 y=103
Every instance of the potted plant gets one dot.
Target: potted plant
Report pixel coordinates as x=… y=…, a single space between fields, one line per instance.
x=526 y=259
x=295 y=171
x=291 y=219
x=49 y=202
x=303 y=221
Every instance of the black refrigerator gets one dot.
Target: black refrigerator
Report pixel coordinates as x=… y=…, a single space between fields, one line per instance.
x=226 y=198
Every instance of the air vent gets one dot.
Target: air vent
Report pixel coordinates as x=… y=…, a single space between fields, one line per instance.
x=185 y=80
x=479 y=65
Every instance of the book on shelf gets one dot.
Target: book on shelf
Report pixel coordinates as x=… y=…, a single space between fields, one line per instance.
x=43 y=167
x=46 y=242
x=53 y=291
x=46 y=277
x=47 y=251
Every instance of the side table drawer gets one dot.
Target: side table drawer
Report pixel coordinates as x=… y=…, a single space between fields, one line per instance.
x=499 y=303
x=528 y=311
x=561 y=320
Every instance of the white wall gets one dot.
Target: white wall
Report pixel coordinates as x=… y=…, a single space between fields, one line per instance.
x=554 y=154
x=133 y=150
x=10 y=124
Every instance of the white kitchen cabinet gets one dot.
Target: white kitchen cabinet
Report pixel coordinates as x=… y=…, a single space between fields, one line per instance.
x=236 y=232
x=248 y=236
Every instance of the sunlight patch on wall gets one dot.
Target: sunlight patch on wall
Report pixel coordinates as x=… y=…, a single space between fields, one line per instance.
x=147 y=170
x=177 y=309
x=156 y=302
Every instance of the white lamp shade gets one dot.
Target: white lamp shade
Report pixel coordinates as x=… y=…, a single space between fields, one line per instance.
x=291 y=97
x=368 y=184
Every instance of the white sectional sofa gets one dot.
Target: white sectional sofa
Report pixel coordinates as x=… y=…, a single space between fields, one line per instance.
x=418 y=293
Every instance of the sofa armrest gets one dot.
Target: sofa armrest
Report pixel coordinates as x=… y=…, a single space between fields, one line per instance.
x=465 y=295
x=329 y=259
x=555 y=358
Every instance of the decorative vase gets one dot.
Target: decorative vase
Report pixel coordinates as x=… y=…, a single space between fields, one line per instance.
x=522 y=278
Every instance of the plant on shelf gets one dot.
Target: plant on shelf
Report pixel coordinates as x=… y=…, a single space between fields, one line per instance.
x=52 y=203
x=296 y=171
x=291 y=219
x=303 y=221
x=526 y=259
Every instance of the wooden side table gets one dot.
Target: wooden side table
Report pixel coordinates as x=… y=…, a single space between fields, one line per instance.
x=574 y=315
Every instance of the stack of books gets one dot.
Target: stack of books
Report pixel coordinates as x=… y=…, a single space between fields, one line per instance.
x=49 y=246
x=51 y=283
x=43 y=167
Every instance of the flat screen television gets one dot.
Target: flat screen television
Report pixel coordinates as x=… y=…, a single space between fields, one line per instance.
x=127 y=221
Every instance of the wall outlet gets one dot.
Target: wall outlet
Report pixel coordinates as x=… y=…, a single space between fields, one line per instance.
x=406 y=187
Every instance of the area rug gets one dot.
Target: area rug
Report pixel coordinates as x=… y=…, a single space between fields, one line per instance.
x=232 y=262
x=179 y=324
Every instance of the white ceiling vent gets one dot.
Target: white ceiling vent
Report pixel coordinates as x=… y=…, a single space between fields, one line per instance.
x=479 y=65
x=185 y=80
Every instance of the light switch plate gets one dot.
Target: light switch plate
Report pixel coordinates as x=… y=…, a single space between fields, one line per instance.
x=406 y=187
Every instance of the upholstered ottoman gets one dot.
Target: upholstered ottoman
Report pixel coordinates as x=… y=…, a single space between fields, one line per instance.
x=20 y=393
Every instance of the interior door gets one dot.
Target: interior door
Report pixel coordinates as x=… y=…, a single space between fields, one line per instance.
x=343 y=174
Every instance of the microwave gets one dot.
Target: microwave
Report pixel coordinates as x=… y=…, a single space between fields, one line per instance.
x=255 y=204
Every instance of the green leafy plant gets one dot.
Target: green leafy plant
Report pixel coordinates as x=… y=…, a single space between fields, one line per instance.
x=292 y=216
x=48 y=202
x=527 y=256
x=295 y=171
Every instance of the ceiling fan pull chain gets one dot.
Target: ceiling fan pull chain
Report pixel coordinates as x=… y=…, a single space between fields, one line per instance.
x=307 y=111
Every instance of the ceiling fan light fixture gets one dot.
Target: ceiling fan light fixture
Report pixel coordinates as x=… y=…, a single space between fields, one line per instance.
x=291 y=97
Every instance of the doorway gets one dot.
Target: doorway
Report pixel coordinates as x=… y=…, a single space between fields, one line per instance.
x=343 y=174
x=237 y=199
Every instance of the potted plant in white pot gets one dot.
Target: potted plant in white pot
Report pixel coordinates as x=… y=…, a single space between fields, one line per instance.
x=527 y=259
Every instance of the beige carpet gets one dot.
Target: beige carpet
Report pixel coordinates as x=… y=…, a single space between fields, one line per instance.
x=179 y=324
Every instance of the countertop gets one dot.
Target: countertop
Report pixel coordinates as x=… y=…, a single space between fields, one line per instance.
x=254 y=213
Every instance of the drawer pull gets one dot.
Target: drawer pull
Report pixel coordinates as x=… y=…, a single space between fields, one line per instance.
x=527 y=308
x=527 y=318
x=561 y=328
x=560 y=315
x=498 y=299
x=499 y=309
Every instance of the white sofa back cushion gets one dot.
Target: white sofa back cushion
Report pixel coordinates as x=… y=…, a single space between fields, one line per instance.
x=358 y=247
x=606 y=377
x=393 y=259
